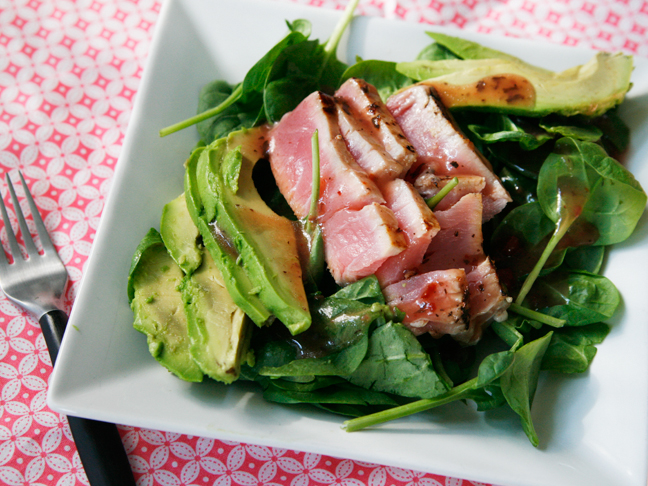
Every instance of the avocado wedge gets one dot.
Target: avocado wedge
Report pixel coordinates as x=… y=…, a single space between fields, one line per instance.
x=158 y=307
x=254 y=248
x=180 y=235
x=218 y=329
x=505 y=84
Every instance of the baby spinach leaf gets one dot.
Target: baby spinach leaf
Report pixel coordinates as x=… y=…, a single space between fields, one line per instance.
x=453 y=361
x=579 y=181
x=249 y=92
x=275 y=361
x=587 y=258
x=577 y=297
x=606 y=193
x=230 y=119
x=502 y=128
x=311 y=383
x=435 y=52
x=366 y=290
x=256 y=78
x=511 y=155
x=520 y=187
x=335 y=343
x=616 y=134
x=339 y=393
x=587 y=133
x=572 y=349
x=300 y=25
x=491 y=368
x=294 y=75
x=396 y=363
x=465 y=49
x=520 y=239
x=485 y=390
x=487 y=398
x=520 y=380
x=507 y=332
x=283 y=95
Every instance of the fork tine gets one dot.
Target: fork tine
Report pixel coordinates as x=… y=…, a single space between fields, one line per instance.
x=11 y=237
x=43 y=234
x=26 y=234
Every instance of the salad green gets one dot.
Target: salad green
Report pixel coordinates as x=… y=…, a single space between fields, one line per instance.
x=348 y=351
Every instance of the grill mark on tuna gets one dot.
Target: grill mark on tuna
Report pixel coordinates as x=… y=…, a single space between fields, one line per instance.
x=328 y=104
x=344 y=105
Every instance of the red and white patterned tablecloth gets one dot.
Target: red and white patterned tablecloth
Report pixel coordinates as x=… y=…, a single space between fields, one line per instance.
x=69 y=72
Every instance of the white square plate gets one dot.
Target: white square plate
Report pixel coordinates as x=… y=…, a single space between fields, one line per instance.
x=593 y=428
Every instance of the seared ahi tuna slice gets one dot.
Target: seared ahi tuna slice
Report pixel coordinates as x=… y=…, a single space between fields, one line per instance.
x=487 y=300
x=360 y=102
x=428 y=185
x=356 y=243
x=344 y=185
x=440 y=144
x=417 y=223
x=434 y=302
x=366 y=149
x=458 y=243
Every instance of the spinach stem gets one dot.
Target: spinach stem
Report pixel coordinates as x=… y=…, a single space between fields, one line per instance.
x=312 y=213
x=561 y=229
x=436 y=199
x=331 y=44
x=401 y=411
x=537 y=316
x=231 y=99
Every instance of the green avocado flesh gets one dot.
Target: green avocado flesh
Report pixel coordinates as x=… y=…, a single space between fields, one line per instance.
x=180 y=235
x=159 y=309
x=254 y=248
x=506 y=84
x=219 y=330
x=192 y=324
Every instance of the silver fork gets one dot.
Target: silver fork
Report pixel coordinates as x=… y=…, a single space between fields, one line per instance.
x=37 y=283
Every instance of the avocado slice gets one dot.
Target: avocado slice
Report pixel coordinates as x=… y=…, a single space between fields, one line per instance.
x=180 y=235
x=157 y=305
x=238 y=283
x=506 y=84
x=255 y=248
x=218 y=329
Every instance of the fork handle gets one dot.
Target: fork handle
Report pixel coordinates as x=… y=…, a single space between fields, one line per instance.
x=53 y=325
x=100 y=447
x=102 y=452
